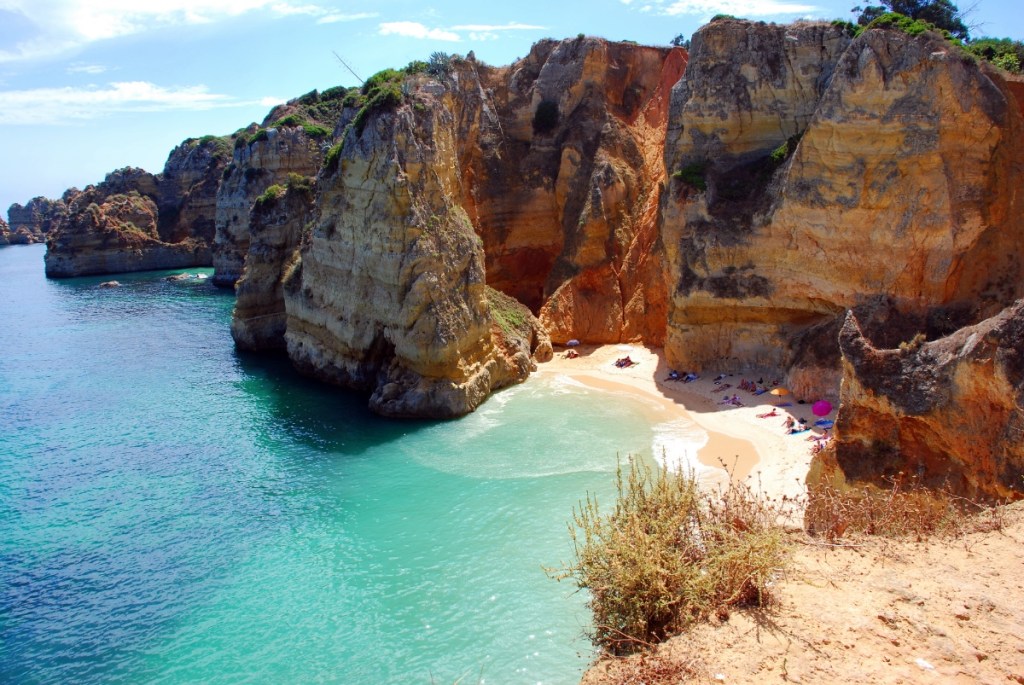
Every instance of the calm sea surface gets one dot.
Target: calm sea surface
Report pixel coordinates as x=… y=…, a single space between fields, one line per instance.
x=172 y=511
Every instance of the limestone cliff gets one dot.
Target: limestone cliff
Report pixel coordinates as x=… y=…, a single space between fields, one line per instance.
x=33 y=221
x=135 y=220
x=390 y=296
x=292 y=140
x=562 y=165
x=5 y=233
x=814 y=173
x=948 y=412
x=277 y=226
x=112 y=233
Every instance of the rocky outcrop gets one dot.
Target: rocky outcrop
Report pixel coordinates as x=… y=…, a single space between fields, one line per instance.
x=949 y=412
x=391 y=296
x=110 y=228
x=291 y=141
x=5 y=233
x=265 y=161
x=278 y=225
x=114 y=233
x=33 y=221
x=814 y=173
x=562 y=165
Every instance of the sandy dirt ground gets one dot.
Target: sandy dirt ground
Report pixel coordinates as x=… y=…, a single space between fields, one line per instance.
x=754 y=449
x=871 y=610
x=947 y=610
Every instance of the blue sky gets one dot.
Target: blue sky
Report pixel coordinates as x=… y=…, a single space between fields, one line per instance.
x=88 y=86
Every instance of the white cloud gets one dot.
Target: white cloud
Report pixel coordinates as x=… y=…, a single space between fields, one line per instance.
x=79 y=68
x=68 y=104
x=482 y=36
x=739 y=8
x=61 y=25
x=413 y=29
x=336 y=17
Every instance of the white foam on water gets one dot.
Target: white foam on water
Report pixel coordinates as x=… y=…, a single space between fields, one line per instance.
x=675 y=445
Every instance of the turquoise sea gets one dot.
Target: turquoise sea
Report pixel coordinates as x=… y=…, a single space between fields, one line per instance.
x=172 y=511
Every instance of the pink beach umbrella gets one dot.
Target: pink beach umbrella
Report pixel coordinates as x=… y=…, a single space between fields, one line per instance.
x=821 y=408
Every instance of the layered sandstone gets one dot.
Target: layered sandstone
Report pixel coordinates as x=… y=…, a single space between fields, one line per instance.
x=562 y=167
x=255 y=166
x=5 y=233
x=292 y=140
x=277 y=225
x=30 y=223
x=949 y=413
x=108 y=227
x=390 y=297
x=892 y=181
x=114 y=233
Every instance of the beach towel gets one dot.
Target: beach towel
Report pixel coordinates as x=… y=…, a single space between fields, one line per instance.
x=824 y=423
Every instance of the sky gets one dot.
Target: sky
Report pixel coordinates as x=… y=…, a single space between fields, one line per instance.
x=89 y=86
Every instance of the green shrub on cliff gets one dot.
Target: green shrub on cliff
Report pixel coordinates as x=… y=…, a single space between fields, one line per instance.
x=1005 y=53
x=669 y=555
x=332 y=158
x=510 y=315
x=269 y=196
x=909 y=26
x=383 y=91
x=694 y=175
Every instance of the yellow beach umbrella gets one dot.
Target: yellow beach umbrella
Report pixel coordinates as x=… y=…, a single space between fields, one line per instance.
x=779 y=391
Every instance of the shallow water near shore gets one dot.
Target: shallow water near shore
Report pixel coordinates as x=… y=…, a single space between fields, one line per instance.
x=172 y=511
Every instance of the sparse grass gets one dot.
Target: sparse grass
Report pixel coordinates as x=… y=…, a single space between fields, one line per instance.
x=670 y=555
x=653 y=669
x=511 y=315
x=905 y=510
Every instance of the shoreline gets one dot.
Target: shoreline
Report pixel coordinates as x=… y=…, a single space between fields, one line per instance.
x=756 y=451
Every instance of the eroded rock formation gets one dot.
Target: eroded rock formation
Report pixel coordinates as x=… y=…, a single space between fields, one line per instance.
x=277 y=225
x=562 y=165
x=256 y=165
x=815 y=173
x=948 y=412
x=135 y=221
x=33 y=221
x=391 y=296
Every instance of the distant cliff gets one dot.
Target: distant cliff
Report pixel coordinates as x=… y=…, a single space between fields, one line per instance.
x=32 y=222
x=134 y=220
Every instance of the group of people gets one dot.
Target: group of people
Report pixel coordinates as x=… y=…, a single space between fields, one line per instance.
x=685 y=376
x=625 y=362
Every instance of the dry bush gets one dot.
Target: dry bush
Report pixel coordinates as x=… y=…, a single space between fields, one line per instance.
x=652 y=669
x=906 y=509
x=669 y=555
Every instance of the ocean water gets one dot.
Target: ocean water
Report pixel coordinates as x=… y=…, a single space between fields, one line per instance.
x=172 y=511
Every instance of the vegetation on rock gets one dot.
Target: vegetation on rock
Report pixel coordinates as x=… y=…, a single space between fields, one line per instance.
x=940 y=14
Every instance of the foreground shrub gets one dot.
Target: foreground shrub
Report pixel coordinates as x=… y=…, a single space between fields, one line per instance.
x=669 y=555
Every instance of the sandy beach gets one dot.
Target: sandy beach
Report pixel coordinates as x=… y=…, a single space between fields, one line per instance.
x=756 y=450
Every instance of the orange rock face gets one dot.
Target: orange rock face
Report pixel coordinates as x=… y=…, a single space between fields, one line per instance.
x=949 y=413
x=562 y=160
x=836 y=173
